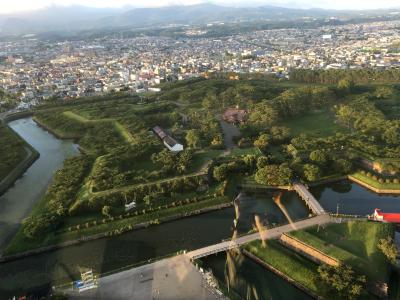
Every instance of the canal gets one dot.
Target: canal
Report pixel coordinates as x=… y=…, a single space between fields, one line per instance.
x=41 y=272
x=18 y=201
x=105 y=255
x=246 y=279
x=350 y=198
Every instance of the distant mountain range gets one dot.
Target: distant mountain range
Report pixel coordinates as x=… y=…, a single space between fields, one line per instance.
x=75 y=18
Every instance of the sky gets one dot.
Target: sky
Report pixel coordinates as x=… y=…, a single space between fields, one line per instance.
x=7 y=6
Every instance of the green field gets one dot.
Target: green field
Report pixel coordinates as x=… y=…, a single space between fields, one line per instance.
x=12 y=151
x=245 y=151
x=291 y=264
x=320 y=124
x=353 y=243
x=375 y=183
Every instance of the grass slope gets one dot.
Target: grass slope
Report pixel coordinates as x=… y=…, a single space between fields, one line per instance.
x=354 y=243
x=320 y=124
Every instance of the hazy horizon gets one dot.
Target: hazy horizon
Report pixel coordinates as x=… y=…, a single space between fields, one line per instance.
x=28 y=5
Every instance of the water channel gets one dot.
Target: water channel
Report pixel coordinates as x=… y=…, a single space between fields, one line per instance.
x=42 y=271
x=18 y=201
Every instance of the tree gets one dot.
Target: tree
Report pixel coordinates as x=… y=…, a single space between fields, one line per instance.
x=343 y=280
x=346 y=115
x=392 y=135
x=262 y=116
x=279 y=133
x=106 y=211
x=210 y=101
x=220 y=173
x=318 y=157
x=388 y=248
x=183 y=160
x=343 y=166
x=383 y=92
x=262 y=142
x=166 y=158
x=312 y=172
x=345 y=85
x=274 y=175
x=36 y=225
x=193 y=138
x=262 y=161
x=217 y=142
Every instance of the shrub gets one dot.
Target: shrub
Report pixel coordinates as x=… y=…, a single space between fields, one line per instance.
x=374 y=177
x=381 y=180
x=369 y=174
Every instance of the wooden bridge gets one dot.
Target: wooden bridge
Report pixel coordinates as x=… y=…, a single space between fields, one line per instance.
x=309 y=199
x=264 y=235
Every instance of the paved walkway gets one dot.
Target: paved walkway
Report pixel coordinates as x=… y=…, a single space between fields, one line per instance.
x=230 y=132
x=311 y=202
x=169 y=279
x=177 y=278
x=265 y=235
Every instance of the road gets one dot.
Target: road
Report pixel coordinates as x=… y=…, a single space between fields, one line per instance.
x=230 y=132
x=177 y=278
x=169 y=279
x=265 y=235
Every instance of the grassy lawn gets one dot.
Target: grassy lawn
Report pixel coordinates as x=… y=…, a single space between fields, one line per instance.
x=126 y=135
x=201 y=158
x=291 y=264
x=12 y=150
x=320 y=124
x=20 y=243
x=374 y=183
x=354 y=243
x=246 y=151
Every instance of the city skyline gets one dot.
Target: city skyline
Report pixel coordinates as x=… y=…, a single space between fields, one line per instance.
x=26 y=6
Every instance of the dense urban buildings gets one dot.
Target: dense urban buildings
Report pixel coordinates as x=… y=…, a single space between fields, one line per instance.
x=35 y=70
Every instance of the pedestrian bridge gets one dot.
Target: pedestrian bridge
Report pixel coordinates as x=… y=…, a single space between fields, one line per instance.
x=309 y=199
x=264 y=235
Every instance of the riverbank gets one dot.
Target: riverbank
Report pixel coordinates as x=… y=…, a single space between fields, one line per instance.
x=84 y=238
x=373 y=186
x=57 y=134
x=48 y=155
x=31 y=156
x=281 y=274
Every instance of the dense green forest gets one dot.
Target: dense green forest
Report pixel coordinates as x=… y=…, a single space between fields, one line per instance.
x=358 y=76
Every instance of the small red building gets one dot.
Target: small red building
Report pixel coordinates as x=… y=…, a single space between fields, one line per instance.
x=235 y=115
x=386 y=217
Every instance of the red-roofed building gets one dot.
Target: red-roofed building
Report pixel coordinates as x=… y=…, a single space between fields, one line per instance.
x=168 y=141
x=386 y=217
x=235 y=115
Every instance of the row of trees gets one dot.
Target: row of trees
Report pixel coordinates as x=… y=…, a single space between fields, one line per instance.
x=58 y=198
x=155 y=194
x=359 y=76
x=291 y=103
